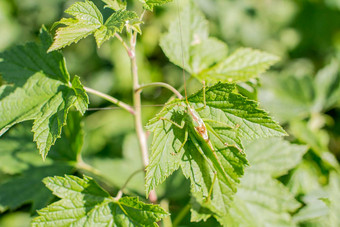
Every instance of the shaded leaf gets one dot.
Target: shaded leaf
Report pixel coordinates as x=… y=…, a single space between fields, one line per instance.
x=28 y=188
x=69 y=146
x=84 y=203
x=18 y=151
x=82 y=100
x=39 y=89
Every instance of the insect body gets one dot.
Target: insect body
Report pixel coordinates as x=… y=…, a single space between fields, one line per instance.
x=202 y=142
x=197 y=131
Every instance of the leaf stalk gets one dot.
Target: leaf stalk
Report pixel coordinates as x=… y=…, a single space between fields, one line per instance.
x=111 y=99
x=161 y=84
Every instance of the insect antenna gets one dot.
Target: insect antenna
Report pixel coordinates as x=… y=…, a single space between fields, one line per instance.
x=182 y=50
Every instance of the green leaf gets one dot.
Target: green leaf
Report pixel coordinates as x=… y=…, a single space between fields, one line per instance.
x=210 y=64
x=149 y=4
x=38 y=88
x=18 y=152
x=322 y=207
x=194 y=42
x=69 y=146
x=82 y=98
x=115 y=23
x=318 y=140
x=327 y=87
x=315 y=212
x=334 y=197
x=244 y=64
x=28 y=188
x=259 y=194
x=274 y=156
x=84 y=203
x=115 y=4
x=229 y=118
x=305 y=178
x=289 y=97
x=88 y=20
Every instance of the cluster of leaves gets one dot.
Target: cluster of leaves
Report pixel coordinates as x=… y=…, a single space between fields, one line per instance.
x=37 y=86
x=312 y=100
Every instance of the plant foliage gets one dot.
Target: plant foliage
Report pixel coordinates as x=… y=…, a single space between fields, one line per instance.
x=84 y=203
x=38 y=88
x=216 y=156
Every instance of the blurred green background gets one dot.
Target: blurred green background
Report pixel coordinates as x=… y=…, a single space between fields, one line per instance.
x=302 y=91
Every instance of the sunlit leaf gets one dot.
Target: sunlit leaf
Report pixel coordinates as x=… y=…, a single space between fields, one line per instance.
x=315 y=212
x=274 y=156
x=334 y=196
x=229 y=118
x=327 y=87
x=89 y=20
x=115 y=4
x=289 y=97
x=192 y=39
x=259 y=194
x=84 y=203
x=189 y=46
x=115 y=23
x=150 y=4
x=242 y=65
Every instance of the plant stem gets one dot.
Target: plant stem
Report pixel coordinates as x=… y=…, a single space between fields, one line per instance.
x=123 y=42
x=181 y=215
x=120 y=193
x=161 y=84
x=137 y=106
x=81 y=165
x=167 y=220
x=111 y=99
x=84 y=166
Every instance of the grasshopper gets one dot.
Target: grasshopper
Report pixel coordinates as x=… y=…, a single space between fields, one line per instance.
x=197 y=130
